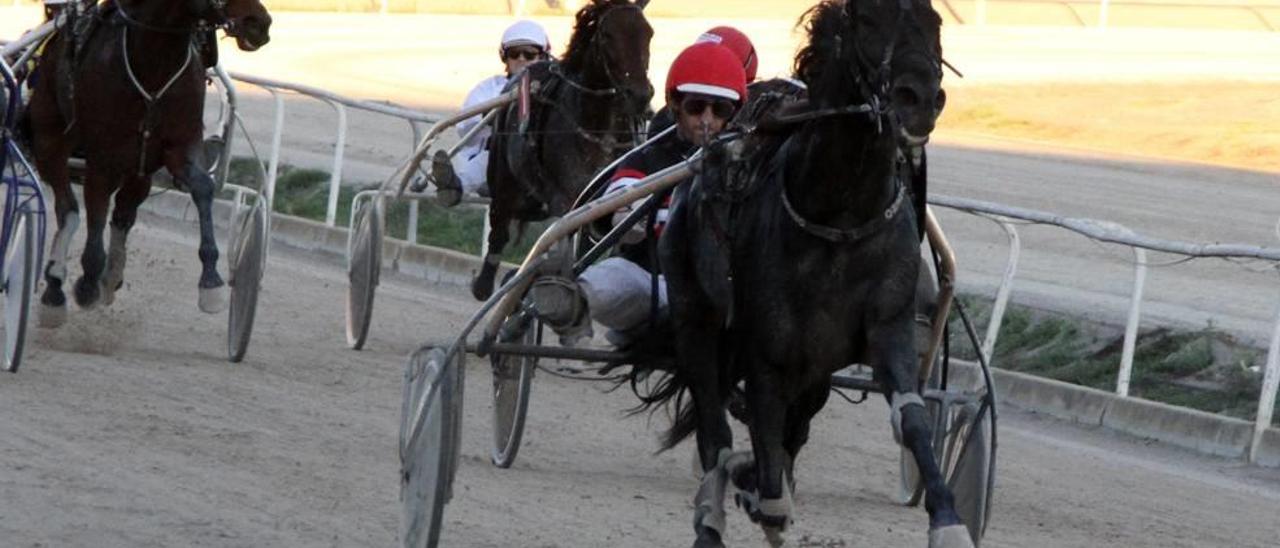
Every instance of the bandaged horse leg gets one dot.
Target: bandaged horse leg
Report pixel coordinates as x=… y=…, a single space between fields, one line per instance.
x=52 y=148
x=708 y=512
x=769 y=504
x=128 y=198
x=892 y=343
x=54 y=301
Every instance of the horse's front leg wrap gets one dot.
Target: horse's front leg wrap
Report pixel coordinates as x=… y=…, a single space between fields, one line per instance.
x=708 y=513
x=897 y=402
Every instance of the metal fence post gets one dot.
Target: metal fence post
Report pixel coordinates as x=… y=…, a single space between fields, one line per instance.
x=335 y=177
x=1267 y=399
x=1131 y=329
x=273 y=165
x=1002 y=294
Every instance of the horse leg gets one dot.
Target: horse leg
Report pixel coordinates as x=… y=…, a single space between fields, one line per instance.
x=51 y=161
x=212 y=290
x=769 y=504
x=499 y=233
x=891 y=344
x=123 y=216
x=93 y=261
x=799 y=417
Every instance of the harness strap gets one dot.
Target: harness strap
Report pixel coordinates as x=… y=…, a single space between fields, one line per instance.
x=149 y=99
x=848 y=235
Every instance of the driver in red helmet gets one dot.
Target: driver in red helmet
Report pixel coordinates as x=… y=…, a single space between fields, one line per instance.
x=706 y=85
x=733 y=40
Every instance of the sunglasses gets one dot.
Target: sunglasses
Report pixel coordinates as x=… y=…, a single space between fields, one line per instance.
x=720 y=108
x=528 y=54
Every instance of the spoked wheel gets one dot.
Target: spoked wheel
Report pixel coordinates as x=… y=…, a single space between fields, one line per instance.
x=512 y=378
x=363 y=270
x=427 y=459
x=246 y=278
x=19 y=285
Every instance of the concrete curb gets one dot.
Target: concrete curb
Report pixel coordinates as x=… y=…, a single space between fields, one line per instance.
x=1187 y=428
x=1198 y=431
x=432 y=264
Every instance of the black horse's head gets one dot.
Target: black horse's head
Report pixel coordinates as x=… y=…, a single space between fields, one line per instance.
x=883 y=53
x=245 y=20
x=610 y=47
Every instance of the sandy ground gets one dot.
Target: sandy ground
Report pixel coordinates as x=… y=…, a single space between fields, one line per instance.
x=127 y=428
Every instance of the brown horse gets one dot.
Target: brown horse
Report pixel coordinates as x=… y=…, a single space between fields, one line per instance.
x=127 y=91
x=585 y=111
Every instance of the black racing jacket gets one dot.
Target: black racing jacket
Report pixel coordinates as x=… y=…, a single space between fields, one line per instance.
x=659 y=155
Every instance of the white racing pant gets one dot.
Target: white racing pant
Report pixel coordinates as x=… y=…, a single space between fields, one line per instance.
x=471 y=164
x=618 y=293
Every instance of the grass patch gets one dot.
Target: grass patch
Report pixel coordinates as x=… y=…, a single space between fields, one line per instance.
x=305 y=192
x=1206 y=369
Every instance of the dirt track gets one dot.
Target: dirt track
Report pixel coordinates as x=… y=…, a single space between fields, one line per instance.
x=128 y=428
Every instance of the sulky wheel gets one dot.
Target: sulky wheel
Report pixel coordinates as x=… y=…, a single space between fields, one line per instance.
x=971 y=467
x=19 y=285
x=247 y=257
x=363 y=269
x=426 y=459
x=512 y=377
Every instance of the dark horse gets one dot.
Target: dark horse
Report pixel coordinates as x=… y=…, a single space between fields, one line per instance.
x=810 y=218
x=127 y=90
x=586 y=109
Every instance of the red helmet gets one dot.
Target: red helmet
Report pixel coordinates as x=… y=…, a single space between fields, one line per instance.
x=708 y=69
x=738 y=43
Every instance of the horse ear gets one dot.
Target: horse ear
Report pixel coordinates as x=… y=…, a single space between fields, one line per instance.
x=642 y=4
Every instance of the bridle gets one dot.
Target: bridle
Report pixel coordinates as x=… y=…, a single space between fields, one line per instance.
x=210 y=15
x=875 y=90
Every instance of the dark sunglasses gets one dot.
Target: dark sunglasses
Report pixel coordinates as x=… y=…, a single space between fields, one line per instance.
x=720 y=108
x=528 y=54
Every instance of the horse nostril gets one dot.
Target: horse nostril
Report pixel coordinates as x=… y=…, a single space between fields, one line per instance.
x=904 y=96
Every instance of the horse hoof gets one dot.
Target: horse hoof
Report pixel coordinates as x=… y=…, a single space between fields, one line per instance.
x=482 y=287
x=774 y=536
x=87 y=294
x=213 y=300
x=708 y=540
x=52 y=316
x=951 y=536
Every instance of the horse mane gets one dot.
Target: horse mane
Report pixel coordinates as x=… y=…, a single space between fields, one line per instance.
x=821 y=62
x=576 y=55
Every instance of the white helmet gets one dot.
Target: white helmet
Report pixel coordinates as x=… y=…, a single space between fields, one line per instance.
x=526 y=33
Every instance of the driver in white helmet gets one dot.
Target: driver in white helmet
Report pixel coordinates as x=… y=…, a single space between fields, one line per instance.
x=523 y=43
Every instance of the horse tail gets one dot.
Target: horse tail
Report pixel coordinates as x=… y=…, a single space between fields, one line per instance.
x=670 y=388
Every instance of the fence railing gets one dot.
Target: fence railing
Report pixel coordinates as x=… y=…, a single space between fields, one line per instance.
x=1105 y=231
x=340 y=104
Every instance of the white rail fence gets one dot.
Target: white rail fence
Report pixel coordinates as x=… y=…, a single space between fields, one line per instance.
x=1106 y=231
